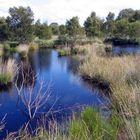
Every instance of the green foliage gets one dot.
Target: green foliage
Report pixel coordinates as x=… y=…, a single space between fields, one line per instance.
x=122 y=28
x=91 y=126
x=43 y=31
x=126 y=14
x=109 y=26
x=62 y=30
x=134 y=30
x=93 y=25
x=55 y=28
x=20 y=24
x=63 y=52
x=3 y=29
x=8 y=49
x=33 y=46
x=73 y=27
x=46 y=43
x=13 y=44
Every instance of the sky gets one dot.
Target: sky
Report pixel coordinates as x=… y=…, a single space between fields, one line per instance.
x=62 y=10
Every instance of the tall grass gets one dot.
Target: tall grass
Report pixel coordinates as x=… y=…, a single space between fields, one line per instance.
x=7 y=71
x=23 y=50
x=90 y=126
x=123 y=77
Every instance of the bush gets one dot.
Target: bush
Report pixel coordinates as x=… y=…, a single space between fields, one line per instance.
x=13 y=44
x=64 y=52
x=33 y=46
x=80 y=50
x=8 y=48
x=45 y=43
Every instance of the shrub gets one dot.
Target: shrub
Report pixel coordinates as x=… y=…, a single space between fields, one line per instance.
x=33 y=46
x=46 y=43
x=64 y=52
x=7 y=48
x=13 y=44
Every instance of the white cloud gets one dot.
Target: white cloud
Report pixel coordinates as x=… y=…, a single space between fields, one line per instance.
x=60 y=10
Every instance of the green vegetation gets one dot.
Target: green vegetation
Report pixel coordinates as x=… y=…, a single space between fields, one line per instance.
x=33 y=46
x=46 y=43
x=90 y=126
x=19 y=26
x=64 y=52
x=8 y=49
x=5 y=78
x=7 y=72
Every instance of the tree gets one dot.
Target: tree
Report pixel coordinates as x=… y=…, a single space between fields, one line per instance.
x=55 y=28
x=136 y=16
x=74 y=30
x=134 y=30
x=3 y=29
x=93 y=25
x=20 y=23
x=122 y=29
x=43 y=31
x=109 y=25
x=62 y=30
x=73 y=27
x=126 y=13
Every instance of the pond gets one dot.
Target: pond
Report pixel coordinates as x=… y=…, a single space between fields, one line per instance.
x=68 y=92
x=126 y=49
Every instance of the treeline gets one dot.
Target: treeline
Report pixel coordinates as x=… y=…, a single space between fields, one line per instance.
x=20 y=26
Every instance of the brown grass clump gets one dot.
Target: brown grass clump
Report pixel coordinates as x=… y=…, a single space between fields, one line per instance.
x=7 y=71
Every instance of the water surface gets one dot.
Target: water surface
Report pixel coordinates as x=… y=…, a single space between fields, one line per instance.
x=126 y=49
x=68 y=91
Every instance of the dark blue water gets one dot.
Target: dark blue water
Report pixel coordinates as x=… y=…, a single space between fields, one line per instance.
x=68 y=91
x=126 y=49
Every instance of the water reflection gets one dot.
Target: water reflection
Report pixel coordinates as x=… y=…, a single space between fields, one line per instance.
x=127 y=49
x=68 y=92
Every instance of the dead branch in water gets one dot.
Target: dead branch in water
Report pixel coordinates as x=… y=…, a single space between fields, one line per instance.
x=33 y=100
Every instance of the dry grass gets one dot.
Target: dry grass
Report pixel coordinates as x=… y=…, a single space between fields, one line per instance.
x=123 y=76
x=7 y=71
x=1 y=49
x=23 y=49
